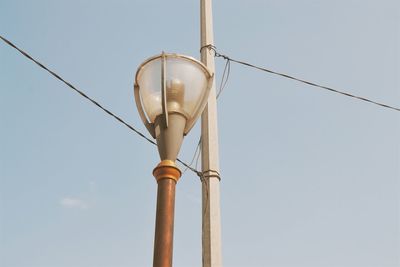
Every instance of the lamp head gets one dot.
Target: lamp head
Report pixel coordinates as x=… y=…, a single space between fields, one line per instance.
x=171 y=91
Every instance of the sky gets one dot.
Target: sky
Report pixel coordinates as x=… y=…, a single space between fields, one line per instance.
x=308 y=178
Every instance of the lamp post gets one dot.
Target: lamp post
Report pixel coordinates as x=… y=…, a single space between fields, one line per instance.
x=171 y=91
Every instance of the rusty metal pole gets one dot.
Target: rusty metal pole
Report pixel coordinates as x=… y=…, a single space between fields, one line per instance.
x=167 y=175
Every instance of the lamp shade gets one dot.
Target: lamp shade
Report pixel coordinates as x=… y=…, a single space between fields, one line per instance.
x=170 y=83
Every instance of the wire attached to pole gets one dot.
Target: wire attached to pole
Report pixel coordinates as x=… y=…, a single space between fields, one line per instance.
x=217 y=54
x=91 y=99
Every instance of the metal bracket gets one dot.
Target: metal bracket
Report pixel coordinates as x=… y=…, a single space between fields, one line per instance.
x=149 y=126
x=164 y=88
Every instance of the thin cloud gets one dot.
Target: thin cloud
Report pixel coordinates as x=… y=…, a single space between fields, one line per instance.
x=74 y=203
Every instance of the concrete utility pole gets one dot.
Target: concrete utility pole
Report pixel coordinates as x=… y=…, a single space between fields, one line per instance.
x=209 y=150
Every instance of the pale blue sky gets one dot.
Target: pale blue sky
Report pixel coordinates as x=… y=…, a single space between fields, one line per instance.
x=309 y=178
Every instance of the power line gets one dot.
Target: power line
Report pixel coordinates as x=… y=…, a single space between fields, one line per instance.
x=196 y=155
x=223 y=82
x=225 y=77
x=91 y=99
x=217 y=54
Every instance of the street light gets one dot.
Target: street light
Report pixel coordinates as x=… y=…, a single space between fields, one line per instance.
x=171 y=91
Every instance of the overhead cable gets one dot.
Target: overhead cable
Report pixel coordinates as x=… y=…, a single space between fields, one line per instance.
x=90 y=99
x=223 y=82
x=225 y=77
x=217 y=54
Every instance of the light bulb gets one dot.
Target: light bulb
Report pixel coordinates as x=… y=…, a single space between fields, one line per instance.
x=175 y=95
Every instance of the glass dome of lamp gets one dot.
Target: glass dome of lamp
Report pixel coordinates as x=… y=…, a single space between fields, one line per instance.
x=171 y=91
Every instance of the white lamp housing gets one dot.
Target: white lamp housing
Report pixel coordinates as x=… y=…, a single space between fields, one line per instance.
x=171 y=91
